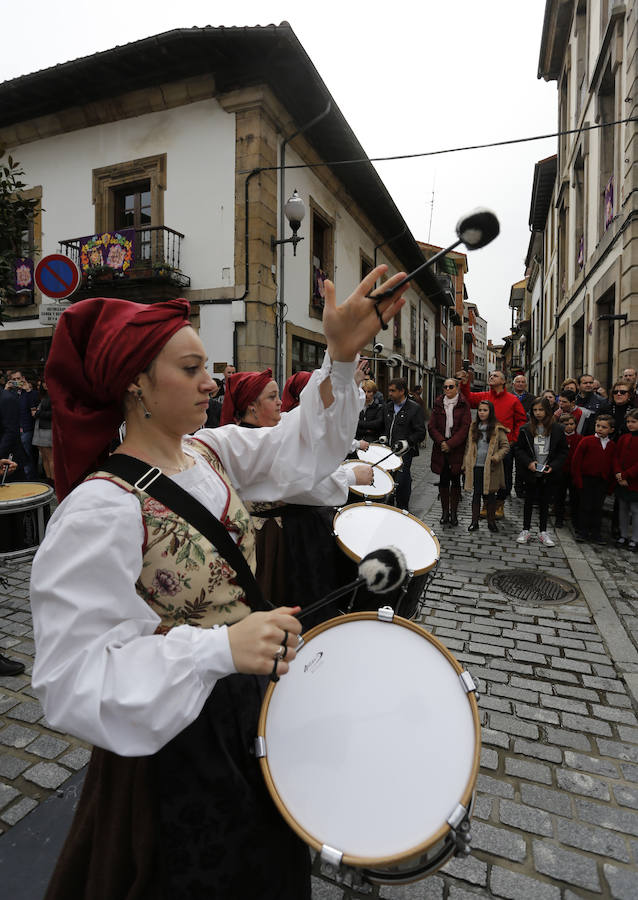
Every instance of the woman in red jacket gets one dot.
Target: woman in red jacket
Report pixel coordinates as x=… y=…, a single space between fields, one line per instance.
x=448 y=426
x=626 y=472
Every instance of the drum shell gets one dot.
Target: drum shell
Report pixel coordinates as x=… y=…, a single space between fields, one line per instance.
x=23 y=521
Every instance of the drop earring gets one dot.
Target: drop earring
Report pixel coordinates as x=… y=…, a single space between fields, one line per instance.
x=147 y=414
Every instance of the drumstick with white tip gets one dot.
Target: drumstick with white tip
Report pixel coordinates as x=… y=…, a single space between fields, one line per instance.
x=398 y=449
x=381 y=571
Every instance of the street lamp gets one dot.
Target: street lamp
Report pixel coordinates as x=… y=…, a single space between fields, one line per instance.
x=295 y=211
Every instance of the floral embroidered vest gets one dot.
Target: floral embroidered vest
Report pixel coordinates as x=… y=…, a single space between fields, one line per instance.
x=184 y=579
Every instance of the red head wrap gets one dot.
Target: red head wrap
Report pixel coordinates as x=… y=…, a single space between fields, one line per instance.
x=292 y=390
x=242 y=388
x=99 y=346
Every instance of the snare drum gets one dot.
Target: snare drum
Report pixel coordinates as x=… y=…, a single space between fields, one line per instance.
x=377 y=452
x=25 y=508
x=370 y=747
x=363 y=527
x=381 y=490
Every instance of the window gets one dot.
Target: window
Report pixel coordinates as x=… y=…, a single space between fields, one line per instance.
x=579 y=182
x=306 y=355
x=366 y=266
x=132 y=209
x=606 y=108
x=443 y=352
x=413 y=331
x=425 y=354
x=322 y=257
x=131 y=195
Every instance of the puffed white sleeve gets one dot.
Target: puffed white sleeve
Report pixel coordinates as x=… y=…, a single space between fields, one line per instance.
x=100 y=671
x=290 y=459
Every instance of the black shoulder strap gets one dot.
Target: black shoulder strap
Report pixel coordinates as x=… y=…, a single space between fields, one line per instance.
x=151 y=480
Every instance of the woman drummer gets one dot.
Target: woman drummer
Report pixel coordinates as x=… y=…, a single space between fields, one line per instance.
x=292 y=538
x=141 y=629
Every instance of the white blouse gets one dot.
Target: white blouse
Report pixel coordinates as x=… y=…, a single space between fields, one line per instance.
x=100 y=671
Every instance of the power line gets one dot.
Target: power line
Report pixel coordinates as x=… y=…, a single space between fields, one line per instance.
x=368 y=159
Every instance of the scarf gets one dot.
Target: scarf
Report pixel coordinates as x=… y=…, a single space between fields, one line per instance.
x=448 y=404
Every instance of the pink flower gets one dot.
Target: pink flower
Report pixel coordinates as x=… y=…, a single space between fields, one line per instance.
x=155 y=508
x=166 y=582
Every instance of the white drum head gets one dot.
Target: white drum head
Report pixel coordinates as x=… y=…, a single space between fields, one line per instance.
x=375 y=452
x=363 y=527
x=371 y=739
x=382 y=486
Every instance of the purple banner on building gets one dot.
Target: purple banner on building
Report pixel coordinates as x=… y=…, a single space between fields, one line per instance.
x=113 y=250
x=609 y=203
x=23 y=275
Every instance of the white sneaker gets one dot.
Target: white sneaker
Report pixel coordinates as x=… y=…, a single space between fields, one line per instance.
x=546 y=539
x=523 y=537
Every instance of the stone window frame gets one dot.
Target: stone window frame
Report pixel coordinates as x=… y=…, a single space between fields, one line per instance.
x=108 y=179
x=316 y=211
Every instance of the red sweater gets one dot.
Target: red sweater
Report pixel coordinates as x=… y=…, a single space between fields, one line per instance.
x=592 y=460
x=626 y=459
x=507 y=407
x=573 y=440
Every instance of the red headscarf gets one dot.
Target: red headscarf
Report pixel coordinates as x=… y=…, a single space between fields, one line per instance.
x=292 y=390
x=242 y=388
x=99 y=346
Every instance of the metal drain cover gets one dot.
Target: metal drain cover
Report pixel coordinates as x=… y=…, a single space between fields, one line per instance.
x=533 y=587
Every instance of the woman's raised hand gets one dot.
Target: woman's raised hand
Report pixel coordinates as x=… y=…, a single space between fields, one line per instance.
x=257 y=639
x=354 y=323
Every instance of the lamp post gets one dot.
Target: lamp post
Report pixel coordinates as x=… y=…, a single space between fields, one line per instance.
x=295 y=212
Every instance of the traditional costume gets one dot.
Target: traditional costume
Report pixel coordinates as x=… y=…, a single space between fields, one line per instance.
x=130 y=605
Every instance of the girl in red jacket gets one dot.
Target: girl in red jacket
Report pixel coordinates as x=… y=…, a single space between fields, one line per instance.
x=592 y=473
x=626 y=472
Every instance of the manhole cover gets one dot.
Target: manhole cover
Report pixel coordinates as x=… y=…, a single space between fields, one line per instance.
x=532 y=587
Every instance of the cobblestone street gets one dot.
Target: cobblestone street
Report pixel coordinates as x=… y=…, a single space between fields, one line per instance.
x=556 y=813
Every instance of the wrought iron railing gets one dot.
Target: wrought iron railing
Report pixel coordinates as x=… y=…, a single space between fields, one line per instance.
x=156 y=247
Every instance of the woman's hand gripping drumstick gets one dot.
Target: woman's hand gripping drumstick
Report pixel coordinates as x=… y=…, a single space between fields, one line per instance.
x=264 y=637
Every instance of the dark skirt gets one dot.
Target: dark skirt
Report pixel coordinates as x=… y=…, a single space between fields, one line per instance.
x=191 y=822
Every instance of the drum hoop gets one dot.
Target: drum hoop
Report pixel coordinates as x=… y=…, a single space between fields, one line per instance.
x=466 y=797
x=357 y=488
x=368 y=503
x=387 y=449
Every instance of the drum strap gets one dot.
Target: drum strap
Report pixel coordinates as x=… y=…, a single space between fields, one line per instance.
x=152 y=482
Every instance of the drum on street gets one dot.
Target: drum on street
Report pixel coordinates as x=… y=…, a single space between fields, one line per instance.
x=25 y=508
x=381 y=489
x=380 y=453
x=361 y=528
x=370 y=746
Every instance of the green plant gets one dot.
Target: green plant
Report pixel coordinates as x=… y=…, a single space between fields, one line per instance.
x=16 y=215
x=93 y=271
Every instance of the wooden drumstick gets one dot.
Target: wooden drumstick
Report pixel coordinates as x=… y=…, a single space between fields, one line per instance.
x=6 y=469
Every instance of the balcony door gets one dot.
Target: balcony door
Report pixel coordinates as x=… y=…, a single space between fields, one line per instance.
x=132 y=209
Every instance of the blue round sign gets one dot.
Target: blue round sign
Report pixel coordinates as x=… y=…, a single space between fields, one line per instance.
x=57 y=276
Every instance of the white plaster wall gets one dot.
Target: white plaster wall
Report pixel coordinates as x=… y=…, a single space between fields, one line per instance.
x=350 y=241
x=199 y=201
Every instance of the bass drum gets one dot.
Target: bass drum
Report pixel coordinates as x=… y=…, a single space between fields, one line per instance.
x=363 y=527
x=365 y=703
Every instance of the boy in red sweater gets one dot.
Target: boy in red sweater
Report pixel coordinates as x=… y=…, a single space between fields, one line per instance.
x=626 y=472
x=593 y=474
x=564 y=480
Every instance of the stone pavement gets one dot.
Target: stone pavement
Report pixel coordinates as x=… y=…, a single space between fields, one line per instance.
x=556 y=813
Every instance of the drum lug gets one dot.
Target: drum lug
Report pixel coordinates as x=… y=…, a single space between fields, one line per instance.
x=260 y=747
x=468 y=683
x=330 y=859
x=385 y=614
x=459 y=822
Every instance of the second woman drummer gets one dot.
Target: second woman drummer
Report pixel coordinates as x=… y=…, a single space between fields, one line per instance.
x=448 y=426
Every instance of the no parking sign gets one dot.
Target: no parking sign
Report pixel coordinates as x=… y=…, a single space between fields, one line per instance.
x=57 y=276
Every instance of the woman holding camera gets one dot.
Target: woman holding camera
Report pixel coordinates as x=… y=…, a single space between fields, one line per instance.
x=541 y=451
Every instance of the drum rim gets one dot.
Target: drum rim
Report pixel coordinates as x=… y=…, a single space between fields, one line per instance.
x=404 y=512
x=385 y=447
x=357 y=488
x=466 y=797
x=31 y=501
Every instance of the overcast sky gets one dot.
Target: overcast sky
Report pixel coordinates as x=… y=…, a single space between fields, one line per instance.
x=409 y=78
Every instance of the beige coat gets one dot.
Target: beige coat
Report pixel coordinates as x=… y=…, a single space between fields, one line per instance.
x=493 y=473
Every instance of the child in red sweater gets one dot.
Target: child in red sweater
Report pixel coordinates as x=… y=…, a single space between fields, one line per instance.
x=564 y=480
x=626 y=472
x=593 y=473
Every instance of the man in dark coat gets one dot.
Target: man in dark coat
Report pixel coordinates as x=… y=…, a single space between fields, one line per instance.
x=587 y=398
x=403 y=421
